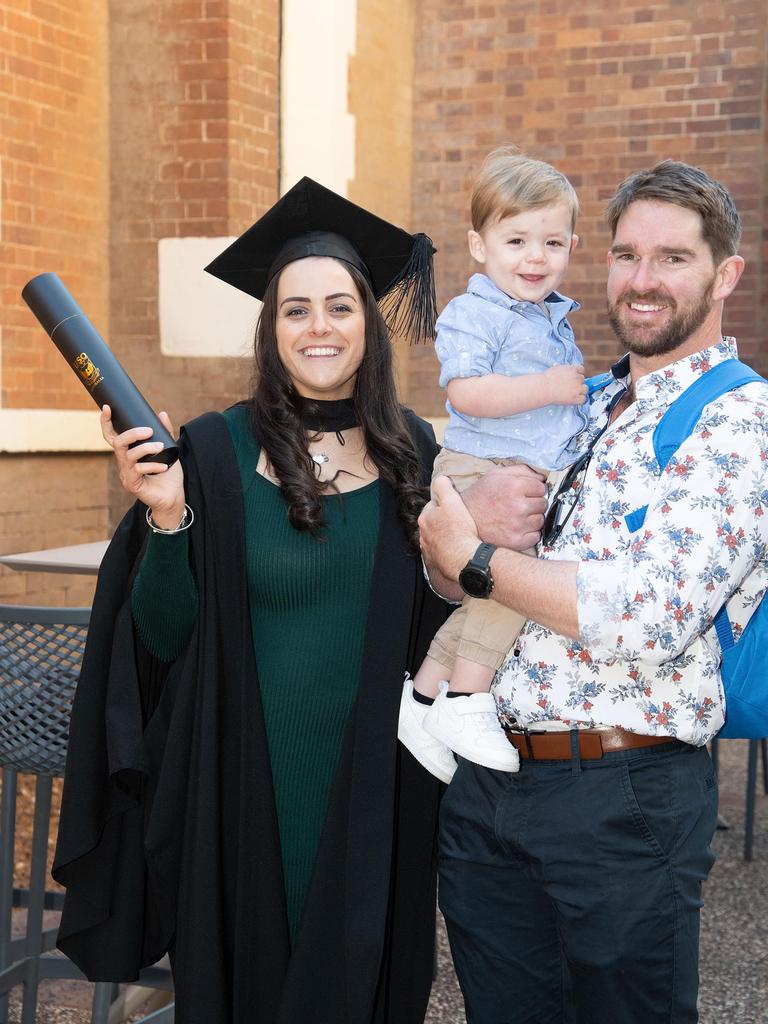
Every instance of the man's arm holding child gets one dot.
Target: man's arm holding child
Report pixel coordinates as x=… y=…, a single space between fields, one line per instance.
x=505 y=508
x=544 y=591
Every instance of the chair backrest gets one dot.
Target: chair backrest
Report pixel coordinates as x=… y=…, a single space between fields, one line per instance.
x=41 y=650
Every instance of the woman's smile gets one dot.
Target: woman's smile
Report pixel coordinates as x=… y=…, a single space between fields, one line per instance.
x=316 y=351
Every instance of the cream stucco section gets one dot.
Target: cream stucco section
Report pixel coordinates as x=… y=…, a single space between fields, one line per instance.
x=317 y=129
x=50 y=430
x=200 y=315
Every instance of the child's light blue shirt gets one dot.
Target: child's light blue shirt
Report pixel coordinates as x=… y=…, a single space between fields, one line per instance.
x=485 y=331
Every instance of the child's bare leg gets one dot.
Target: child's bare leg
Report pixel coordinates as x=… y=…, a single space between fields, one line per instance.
x=427 y=680
x=469 y=677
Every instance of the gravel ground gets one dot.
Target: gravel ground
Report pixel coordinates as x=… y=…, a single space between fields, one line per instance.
x=734 y=945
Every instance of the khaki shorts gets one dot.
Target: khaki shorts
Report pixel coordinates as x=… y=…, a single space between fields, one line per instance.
x=463 y=469
x=480 y=631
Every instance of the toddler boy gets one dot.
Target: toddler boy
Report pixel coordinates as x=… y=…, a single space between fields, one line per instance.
x=516 y=393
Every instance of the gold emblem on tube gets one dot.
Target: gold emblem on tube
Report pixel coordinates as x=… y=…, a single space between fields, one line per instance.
x=89 y=374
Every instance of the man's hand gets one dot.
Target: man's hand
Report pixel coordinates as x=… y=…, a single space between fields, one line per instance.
x=447 y=531
x=508 y=506
x=544 y=591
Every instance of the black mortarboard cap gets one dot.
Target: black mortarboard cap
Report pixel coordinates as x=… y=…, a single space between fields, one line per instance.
x=311 y=220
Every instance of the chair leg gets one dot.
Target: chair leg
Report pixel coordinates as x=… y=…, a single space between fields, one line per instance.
x=714 y=749
x=764 y=753
x=7 y=842
x=104 y=993
x=37 y=871
x=751 y=782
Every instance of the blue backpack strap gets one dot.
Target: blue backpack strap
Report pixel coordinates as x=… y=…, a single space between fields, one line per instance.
x=677 y=424
x=684 y=413
x=724 y=630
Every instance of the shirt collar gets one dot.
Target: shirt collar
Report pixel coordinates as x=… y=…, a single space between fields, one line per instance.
x=559 y=305
x=663 y=386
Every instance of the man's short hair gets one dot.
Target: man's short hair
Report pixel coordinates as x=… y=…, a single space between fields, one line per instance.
x=683 y=185
x=510 y=183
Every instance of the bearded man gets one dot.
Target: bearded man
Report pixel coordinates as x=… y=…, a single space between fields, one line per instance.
x=572 y=890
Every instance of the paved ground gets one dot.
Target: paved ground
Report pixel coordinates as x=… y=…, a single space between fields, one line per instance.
x=734 y=962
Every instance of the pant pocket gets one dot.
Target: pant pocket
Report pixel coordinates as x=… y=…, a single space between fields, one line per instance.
x=649 y=799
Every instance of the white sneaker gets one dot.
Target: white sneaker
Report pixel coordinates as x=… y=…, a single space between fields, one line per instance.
x=471 y=728
x=434 y=756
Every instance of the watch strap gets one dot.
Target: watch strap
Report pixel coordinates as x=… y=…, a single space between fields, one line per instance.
x=483 y=555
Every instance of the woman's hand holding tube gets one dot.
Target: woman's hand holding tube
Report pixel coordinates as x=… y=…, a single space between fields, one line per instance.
x=160 y=487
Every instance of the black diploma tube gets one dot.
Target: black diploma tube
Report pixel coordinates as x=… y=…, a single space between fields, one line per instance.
x=98 y=370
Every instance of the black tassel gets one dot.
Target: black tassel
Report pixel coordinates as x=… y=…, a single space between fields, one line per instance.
x=409 y=305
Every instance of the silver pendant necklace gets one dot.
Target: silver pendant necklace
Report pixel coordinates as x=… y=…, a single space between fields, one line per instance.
x=320 y=458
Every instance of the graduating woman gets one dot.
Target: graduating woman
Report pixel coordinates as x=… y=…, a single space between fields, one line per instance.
x=235 y=793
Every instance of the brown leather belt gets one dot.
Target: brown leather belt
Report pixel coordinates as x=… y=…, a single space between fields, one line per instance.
x=593 y=743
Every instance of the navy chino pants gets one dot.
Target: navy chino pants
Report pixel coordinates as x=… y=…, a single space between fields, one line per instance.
x=572 y=889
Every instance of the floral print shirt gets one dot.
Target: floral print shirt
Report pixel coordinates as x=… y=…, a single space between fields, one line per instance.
x=647 y=657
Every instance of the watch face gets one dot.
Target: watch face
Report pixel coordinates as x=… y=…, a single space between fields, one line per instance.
x=475 y=582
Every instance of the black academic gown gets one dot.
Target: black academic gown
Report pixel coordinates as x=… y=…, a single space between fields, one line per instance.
x=168 y=837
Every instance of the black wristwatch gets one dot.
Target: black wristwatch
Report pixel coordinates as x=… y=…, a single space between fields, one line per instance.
x=475 y=578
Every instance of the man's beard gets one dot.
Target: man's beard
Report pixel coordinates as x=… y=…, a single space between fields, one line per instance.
x=664 y=339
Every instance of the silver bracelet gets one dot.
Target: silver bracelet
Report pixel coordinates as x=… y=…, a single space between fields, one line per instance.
x=186 y=521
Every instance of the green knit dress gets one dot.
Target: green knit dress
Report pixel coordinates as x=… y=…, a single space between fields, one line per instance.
x=309 y=605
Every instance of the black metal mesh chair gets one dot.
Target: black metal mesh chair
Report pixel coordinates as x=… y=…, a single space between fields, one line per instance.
x=40 y=655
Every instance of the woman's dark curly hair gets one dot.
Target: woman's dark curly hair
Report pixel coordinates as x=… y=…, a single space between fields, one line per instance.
x=276 y=423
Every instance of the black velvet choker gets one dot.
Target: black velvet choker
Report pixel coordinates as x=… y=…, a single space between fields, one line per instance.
x=327 y=417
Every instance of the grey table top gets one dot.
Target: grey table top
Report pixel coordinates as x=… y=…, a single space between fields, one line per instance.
x=77 y=558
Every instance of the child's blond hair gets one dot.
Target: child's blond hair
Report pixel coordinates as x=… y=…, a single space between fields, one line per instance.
x=510 y=183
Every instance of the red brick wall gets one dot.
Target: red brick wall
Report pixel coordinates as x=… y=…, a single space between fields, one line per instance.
x=50 y=501
x=53 y=207
x=53 y=217
x=600 y=90
x=194 y=153
x=122 y=124
x=194 y=143
x=253 y=107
